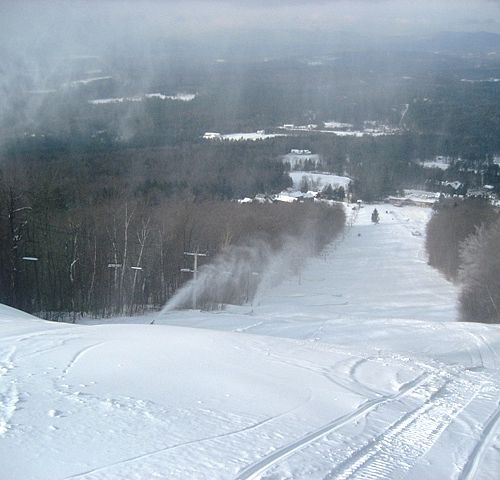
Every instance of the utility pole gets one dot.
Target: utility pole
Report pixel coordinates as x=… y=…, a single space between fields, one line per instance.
x=194 y=271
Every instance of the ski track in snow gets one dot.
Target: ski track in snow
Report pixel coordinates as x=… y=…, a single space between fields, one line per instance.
x=489 y=431
x=256 y=470
x=79 y=355
x=436 y=398
x=411 y=436
x=350 y=383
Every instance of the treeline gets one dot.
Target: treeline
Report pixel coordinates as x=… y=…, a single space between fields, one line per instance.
x=103 y=231
x=379 y=166
x=463 y=242
x=65 y=178
x=206 y=170
x=126 y=257
x=460 y=118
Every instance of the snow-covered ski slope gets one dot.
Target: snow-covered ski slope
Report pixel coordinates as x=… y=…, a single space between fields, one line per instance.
x=356 y=370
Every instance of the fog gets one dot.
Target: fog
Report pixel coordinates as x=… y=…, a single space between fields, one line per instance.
x=55 y=27
x=47 y=45
x=56 y=18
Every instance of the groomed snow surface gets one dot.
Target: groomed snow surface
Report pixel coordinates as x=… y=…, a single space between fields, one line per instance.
x=354 y=370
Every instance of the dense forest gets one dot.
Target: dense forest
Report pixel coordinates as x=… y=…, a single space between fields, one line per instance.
x=105 y=232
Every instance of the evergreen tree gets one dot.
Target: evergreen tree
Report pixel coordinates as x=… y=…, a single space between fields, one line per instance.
x=375 y=216
x=327 y=192
x=304 y=184
x=339 y=194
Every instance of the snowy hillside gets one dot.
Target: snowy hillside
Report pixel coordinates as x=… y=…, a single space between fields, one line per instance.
x=356 y=369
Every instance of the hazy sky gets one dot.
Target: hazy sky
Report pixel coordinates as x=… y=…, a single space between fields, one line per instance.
x=190 y=16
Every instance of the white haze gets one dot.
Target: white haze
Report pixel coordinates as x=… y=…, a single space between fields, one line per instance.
x=244 y=273
x=40 y=40
x=110 y=18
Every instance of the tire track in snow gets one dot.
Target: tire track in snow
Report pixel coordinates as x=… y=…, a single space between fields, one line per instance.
x=353 y=386
x=489 y=432
x=352 y=374
x=254 y=472
x=413 y=434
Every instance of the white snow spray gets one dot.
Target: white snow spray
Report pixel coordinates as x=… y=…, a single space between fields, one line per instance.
x=240 y=274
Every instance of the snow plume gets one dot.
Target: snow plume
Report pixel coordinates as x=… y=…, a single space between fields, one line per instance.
x=242 y=273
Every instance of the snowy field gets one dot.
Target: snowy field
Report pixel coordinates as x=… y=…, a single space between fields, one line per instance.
x=181 y=97
x=241 y=137
x=319 y=180
x=355 y=369
x=435 y=164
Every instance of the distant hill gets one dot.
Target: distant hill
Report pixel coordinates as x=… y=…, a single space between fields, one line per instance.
x=464 y=42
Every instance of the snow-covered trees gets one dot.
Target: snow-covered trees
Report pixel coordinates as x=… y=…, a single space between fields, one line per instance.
x=330 y=193
x=304 y=184
x=463 y=242
x=480 y=276
x=451 y=223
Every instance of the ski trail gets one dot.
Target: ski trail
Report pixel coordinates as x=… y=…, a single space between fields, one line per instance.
x=193 y=442
x=490 y=430
x=79 y=355
x=487 y=356
x=9 y=396
x=8 y=404
x=254 y=472
x=247 y=328
x=398 y=447
x=483 y=345
x=403 y=115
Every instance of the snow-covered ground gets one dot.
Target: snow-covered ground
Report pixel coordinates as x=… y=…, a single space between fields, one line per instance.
x=342 y=129
x=356 y=369
x=333 y=125
x=88 y=81
x=181 y=97
x=241 y=137
x=488 y=80
x=319 y=180
x=435 y=164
